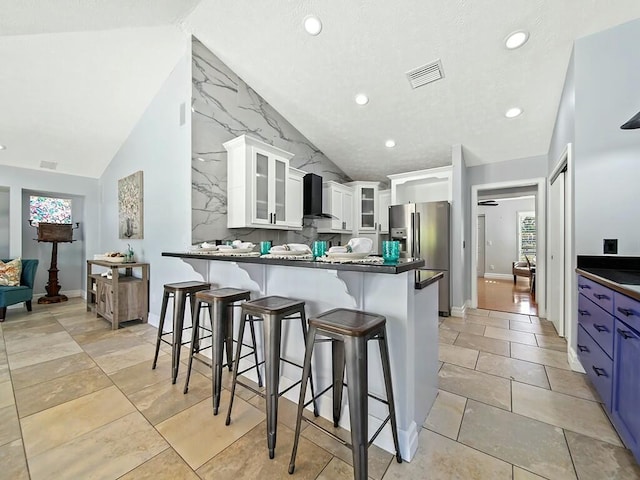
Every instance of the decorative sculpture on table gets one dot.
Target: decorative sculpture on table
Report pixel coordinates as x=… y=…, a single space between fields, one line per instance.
x=130 y=206
x=54 y=233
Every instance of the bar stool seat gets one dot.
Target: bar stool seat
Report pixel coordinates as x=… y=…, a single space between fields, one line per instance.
x=270 y=311
x=180 y=291
x=220 y=303
x=349 y=331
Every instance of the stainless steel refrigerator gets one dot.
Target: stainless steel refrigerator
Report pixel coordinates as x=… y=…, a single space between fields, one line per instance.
x=423 y=230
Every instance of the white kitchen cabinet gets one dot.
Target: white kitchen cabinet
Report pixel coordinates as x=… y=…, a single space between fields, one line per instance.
x=257 y=184
x=365 y=206
x=337 y=200
x=294 y=198
x=384 y=200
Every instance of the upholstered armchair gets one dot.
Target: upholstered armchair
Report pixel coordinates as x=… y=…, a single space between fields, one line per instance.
x=22 y=292
x=522 y=269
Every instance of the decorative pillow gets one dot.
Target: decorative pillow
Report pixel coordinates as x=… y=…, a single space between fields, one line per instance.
x=10 y=273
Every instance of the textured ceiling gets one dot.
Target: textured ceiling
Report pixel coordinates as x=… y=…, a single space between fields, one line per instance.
x=77 y=76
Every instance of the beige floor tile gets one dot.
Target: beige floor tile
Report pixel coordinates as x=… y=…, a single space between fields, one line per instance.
x=532 y=328
x=462 y=356
x=6 y=394
x=197 y=435
x=97 y=335
x=488 y=321
x=4 y=368
x=336 y=470
x=570 y=413
x=287 y=410
x=14 y=465
x=539 y=355
x=478 y=312
x=520 y=474
x=510 y=316
x=447 y=336
x=484 y=344
x=41 y=396
x=39 y=339
x=378 y=459
x=112 y=344
x=55 y=426
x=162 y=400
x=126 y=357
x=26 y=358
x=140 y=376
x=9 y=425
x=34 y=326
x=248 y=458
x=553 y=343
x=81 y=325
x=524 y=442
x=513 y=369
x=571 y=383
x=446 y=413
x=477 y=385
x=596 y=460
x=106 y=452
x=167 y=464
x=510 y=335
x=439 y=458
x=31 y=375
x=459 y=325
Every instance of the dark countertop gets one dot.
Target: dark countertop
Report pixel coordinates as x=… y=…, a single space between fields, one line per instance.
x=425 y=277
x=403 y=265
x=621 y=274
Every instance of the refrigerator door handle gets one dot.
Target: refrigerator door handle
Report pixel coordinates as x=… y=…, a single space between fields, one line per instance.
x=417 y=233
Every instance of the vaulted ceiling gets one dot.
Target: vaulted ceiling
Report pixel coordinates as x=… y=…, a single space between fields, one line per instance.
x=77 y=76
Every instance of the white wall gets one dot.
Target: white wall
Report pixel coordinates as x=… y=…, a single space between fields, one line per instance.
x=161 y=148
x=417 y=192
x=564 y=131
x=19 y=179
x=607 y=159
x=501 y=237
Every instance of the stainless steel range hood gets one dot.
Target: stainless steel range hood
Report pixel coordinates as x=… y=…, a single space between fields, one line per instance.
x=312 y=197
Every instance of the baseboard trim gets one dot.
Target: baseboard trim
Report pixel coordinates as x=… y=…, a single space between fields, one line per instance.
x=459 y=311
x=574 y=362
x=498 y=276
x=68 y=293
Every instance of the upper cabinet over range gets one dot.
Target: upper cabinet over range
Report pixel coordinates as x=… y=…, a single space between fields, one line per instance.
x=258 y=184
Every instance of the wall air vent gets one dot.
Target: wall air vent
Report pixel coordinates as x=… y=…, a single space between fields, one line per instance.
x=49 y=165
x=425 y=74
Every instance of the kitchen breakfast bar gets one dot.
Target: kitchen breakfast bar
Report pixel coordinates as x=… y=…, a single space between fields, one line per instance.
x=408 y=301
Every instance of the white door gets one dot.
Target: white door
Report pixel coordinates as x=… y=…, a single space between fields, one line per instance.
x=481 y=245
x=556 y=276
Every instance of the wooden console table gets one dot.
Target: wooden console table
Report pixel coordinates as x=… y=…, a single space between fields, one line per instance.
x=121 y=297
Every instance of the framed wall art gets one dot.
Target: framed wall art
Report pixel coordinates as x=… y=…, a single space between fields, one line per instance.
x=131 y=207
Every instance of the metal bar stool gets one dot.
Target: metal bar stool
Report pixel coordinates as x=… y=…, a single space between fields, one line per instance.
x=220 y=303
x=180 y=292
x=349 y=331
x=271 y=311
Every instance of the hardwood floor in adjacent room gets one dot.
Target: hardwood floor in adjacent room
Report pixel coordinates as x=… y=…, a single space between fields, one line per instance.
x=505 y=296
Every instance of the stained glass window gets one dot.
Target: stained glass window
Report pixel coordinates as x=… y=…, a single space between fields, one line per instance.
x=49 y=210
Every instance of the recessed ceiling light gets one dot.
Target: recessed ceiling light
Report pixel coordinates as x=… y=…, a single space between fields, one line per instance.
x=2 y=147
x=362 y=99
x=513 y=112
x=516 y=39
x=390 y=143
x=312 y=25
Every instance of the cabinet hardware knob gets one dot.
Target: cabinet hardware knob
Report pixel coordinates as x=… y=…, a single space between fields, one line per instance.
x=581 y=286
x=600 y=372
x=627 y=312
x=584 y=313
x=625 y=334
x=600 y=328
x=601 y=296
x=582 y=348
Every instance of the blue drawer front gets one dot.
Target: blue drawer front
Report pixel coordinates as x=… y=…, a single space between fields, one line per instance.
x=598 y=365
x=627 y=309
x=599 y=294
x=597 y=323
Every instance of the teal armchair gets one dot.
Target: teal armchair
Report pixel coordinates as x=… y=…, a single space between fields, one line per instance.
x=21 y=293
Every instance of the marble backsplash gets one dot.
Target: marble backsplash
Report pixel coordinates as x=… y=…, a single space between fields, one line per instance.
x=224 y=107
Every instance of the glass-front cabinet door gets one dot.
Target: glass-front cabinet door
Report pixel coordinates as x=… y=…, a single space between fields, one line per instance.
x=261 y=197
x=367 y=219
x=269 y=204
x=280 y=192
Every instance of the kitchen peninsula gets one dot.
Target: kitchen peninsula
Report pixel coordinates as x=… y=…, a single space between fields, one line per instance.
x=412 y=325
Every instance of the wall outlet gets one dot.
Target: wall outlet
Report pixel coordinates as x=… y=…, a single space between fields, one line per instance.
x=492 y=267
x=610 y=246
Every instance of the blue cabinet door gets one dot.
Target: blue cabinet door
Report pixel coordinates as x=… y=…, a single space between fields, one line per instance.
x=626 y=390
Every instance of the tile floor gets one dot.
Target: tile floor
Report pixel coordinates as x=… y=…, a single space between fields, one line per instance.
x=80 y=401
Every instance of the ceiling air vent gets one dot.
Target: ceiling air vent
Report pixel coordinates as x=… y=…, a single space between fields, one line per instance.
x=425 y=74
x=49 y=165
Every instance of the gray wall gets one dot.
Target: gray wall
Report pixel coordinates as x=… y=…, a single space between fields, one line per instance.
x=564 y=131
x=4 y=222
x=519 y=169
x=607 y=193
x=458 y=228
x=226 y=107
x=160 y=146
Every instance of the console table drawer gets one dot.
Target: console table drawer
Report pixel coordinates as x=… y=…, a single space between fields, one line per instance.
x=599 y=294
x=598 y=365
x=597 y=323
